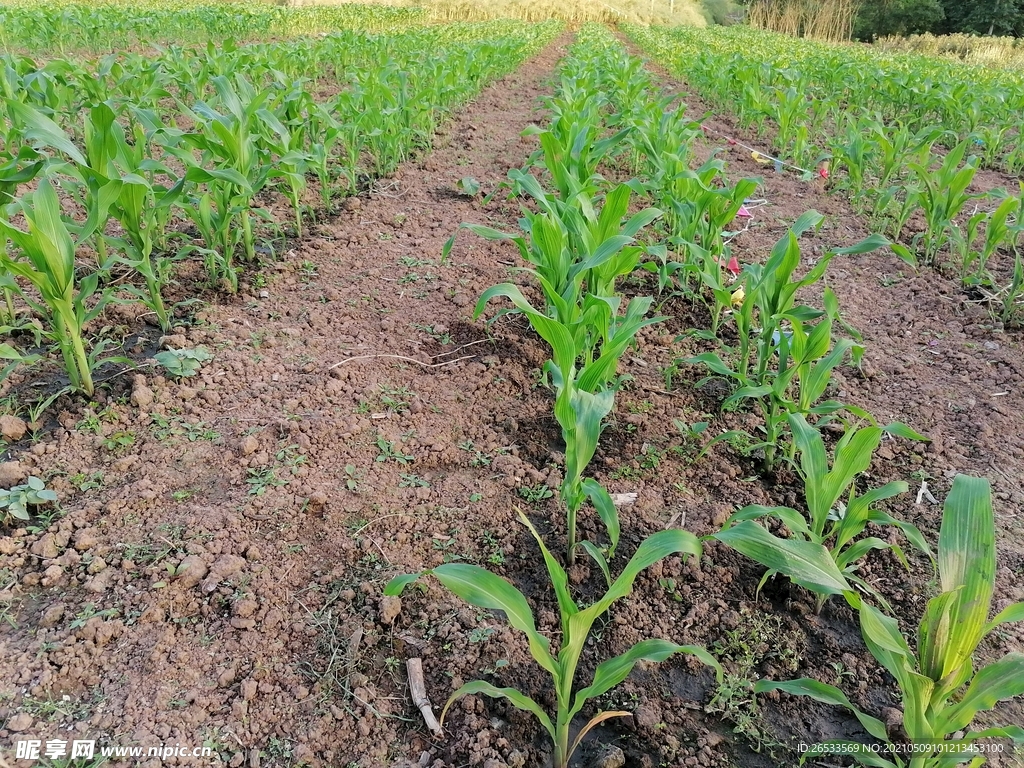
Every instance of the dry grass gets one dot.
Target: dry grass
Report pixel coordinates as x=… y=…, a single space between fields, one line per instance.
x=571 y=11
x=1003 y=52
x=829 y=20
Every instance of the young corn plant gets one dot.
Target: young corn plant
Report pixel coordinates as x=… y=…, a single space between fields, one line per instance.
x=235 y=167
x=573 y=250
x=999 y=233
x=836 y=513
x=142 y=207
x=941 y=690
x=49 y=266
x=482 y=589
x=292 y=162
x=15 y=169
x=571 y=147
x=585 y=387
x=943 y=196
x=89 y=171
x=782 y=361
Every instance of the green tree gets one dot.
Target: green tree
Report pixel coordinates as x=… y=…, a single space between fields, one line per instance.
x=878 y=18
x=984 y=17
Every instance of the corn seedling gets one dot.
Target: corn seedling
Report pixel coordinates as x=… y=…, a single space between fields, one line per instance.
x=941 y=690
x=782 y=361
x=584 y=391
x=483 y=589
x=15 y=169
x=50 y=268
x=943 y=196
x=234 y=166
x=836 y=513
x=142 y=207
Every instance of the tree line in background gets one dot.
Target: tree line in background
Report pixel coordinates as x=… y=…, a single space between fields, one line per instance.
x=877 y=18
x=870 y=19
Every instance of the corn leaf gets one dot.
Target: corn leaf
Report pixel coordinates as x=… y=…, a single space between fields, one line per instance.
x=602 y=502
x=967 y=566
x=479 y=587
x=803 y=562
x=613 y=671
x=1001 y=680
x=826 y=694
x=559 y=580
x=519 y=700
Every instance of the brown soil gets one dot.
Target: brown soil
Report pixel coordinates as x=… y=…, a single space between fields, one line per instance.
x=175 y=604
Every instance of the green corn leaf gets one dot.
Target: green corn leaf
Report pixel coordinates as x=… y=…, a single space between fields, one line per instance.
x=589 y=410
x=1000 y=680
x=651 y=550
x=714 y=363
x=398 y=584
x=868 y=244
x=883 y=638
x=616 y=205
x=481 y=588
x=905 y=254
x=598 y=557
x=912 y=532
x=792 y=519
x=563 y=347
x=104 y=196
x=48 y=246
x=902 y=430
x=826 y=694
x=519 y=700
x=1014 y=732
x=815 y=382
x=803 y=562
x=967 y=565
x=559 y=579
x=41 y=130
x=641 y=220
x=807 y=221
x=198 y=175
x=1013 y=613
x=613 y=671
x=606 y=510
x=747 y=393
x=859 y=512
x=818 y=341
x=859 y=549
x=852 y=456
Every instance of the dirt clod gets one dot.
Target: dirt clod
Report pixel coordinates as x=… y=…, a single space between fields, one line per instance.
x=191 y=571
x=52 y=615
x=613 y=757
x=45 y=547
x=86 y=539
x=12 y=428
x=12 y=473
x=142 y=395
x=20 y=722
x=390 y=607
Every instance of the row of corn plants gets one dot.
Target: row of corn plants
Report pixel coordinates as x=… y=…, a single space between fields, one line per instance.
x=577 y=239
x=92 y=28
x=904 y=135
x=195 y=143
